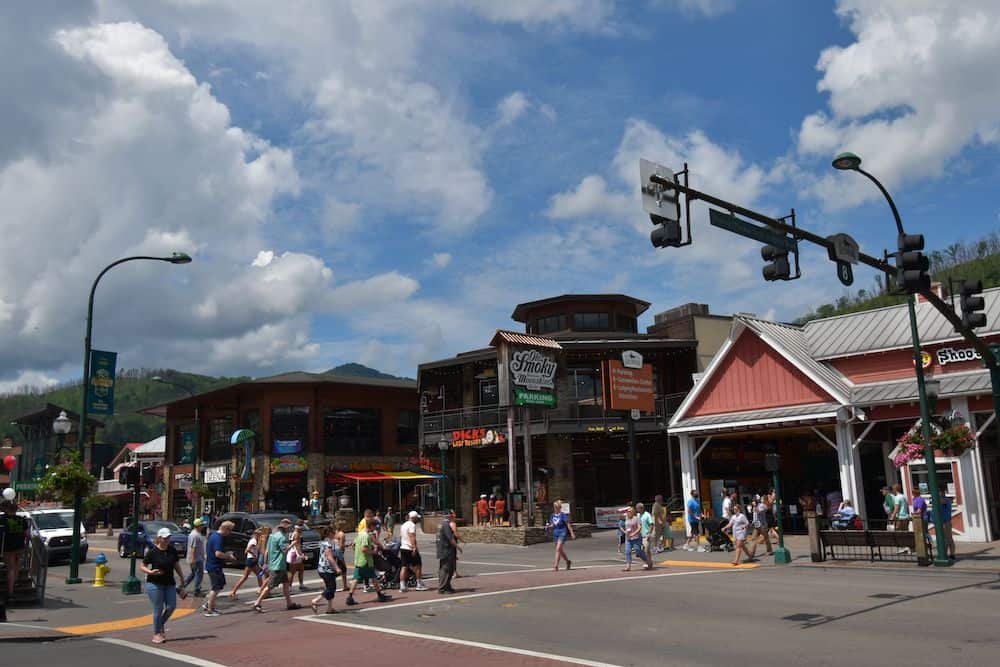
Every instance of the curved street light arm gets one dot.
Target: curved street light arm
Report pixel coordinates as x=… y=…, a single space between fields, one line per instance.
x=888 y=198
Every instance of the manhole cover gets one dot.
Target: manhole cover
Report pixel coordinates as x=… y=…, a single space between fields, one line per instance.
x=801 y=618
x=886 y=596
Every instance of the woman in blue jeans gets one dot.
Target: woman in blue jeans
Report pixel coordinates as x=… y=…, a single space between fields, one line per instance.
x=633 y=540
x=159 y=565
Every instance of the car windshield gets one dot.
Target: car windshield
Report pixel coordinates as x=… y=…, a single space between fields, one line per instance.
x=272 y=520
x=53 y=520
x=150 y=527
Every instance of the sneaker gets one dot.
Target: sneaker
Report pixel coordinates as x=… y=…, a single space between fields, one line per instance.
x=687 y=547
x=351 y=601
x=302 y=589
x=382 y=597
x=702 y=550
x=212 y=612
x=403 y=588
x=368 y=588
x=204 y=607
x=421 y=587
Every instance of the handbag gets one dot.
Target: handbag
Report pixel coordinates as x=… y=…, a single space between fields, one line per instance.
x=293 y=556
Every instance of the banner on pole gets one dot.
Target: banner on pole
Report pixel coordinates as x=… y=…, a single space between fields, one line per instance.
x=101 y=383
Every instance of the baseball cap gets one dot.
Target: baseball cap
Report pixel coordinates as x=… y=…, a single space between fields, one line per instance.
x=483 y=495
x=163 y=532
x=413 y=515
x=285 y=522
x=199 y=522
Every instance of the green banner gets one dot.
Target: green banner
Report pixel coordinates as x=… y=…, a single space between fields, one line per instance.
x=526 y=397
x=25 y=486
x=189 y=445
x=101 y=384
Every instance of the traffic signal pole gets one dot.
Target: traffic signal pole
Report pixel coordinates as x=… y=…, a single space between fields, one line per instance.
x=132 y=585
x=990 y=360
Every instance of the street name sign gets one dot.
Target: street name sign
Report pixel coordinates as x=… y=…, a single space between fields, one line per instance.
x=731 y=223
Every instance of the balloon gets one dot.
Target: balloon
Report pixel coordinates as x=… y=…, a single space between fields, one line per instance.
x=9 y=462
x=9 y=494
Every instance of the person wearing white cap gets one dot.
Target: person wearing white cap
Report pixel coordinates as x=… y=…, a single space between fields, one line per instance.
x=160 y=564
x=409 y=554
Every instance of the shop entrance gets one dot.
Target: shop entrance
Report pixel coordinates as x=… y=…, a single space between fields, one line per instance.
x=287 y=492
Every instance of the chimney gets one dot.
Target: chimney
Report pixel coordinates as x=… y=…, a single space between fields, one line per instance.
x=937 y=288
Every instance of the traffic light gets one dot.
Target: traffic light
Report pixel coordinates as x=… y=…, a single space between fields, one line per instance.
x=128 y=475
x=148 y=474
x=913 y=265
x=667 y=233
x=778 y=267
x=972 y=303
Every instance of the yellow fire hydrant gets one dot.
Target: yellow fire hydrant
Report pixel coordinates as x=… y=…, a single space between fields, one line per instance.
x=102 y=569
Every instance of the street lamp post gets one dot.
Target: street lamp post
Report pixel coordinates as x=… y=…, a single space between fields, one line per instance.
x=443 y=447
x=74 y=554
x=851 y=162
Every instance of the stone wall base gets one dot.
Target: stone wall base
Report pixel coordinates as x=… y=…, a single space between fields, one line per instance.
x=521 y=536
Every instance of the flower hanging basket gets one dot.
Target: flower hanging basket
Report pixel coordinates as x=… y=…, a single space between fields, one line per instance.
x=952 y=438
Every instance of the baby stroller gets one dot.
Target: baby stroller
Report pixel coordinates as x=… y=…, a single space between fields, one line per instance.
x=388 y=565
x=717 y=540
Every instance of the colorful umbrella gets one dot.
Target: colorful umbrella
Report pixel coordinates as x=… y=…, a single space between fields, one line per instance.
x=244 y=436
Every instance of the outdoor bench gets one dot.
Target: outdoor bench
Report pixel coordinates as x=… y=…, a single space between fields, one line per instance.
x=870 y=544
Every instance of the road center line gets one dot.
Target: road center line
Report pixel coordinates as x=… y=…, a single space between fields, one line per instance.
x=460 y=642
x=163 y=653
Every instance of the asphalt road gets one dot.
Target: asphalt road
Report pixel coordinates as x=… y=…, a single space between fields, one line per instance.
x=513 y=610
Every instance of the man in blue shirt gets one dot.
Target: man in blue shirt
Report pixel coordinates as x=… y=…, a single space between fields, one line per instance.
x=843 y=517
x=215 y=560
x=694 y=517
x=947 y=536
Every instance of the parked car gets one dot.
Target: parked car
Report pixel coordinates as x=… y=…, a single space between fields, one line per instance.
x=55 y=527
x=147 y=531
x=246 y=523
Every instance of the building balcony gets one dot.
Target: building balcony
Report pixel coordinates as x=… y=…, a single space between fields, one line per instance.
x=572 y=418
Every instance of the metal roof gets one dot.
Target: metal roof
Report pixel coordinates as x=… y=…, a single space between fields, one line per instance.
x=792 y=341
x=334 y=378
x=763 y=417
x=515 y=338
x=904 y=391
x=888 y=329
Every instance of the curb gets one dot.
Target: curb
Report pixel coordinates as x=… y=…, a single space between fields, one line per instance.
x=914 y=569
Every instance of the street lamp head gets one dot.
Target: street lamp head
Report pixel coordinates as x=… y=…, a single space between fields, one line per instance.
x=180 y=258
x=443 y=445
x=62 y=424
x=847 y=162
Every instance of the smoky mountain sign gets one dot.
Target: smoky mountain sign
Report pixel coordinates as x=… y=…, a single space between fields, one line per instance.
x=533 y=369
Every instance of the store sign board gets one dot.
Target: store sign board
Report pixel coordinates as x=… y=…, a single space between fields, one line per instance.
x=477 y=437
x=215 y=474
x=282 y=447
x=533 y=369
x=607 y=517
x=950 y=355
x=628 y=388
x=289 y=463
x=525 y=397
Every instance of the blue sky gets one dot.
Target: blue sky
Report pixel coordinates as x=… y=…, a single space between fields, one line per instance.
x=383 y=181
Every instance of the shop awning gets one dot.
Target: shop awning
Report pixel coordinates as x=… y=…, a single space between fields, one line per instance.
x=386 y=476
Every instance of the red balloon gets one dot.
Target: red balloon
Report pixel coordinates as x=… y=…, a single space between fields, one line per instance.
x=9 y=462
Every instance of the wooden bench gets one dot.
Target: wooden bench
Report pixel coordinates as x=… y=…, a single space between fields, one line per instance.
x=893 y=542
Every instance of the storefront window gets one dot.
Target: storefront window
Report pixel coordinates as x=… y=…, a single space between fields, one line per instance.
x=219 y=432
x=945 y=478
x=591 y=322
x=626 y=323
x=290 y=427
x=251 y=420
x=489 y=393
x=352 y=431
x=406 y=427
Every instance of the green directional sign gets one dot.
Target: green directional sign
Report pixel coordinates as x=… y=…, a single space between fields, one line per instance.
x=526 y=397
x=731 y=223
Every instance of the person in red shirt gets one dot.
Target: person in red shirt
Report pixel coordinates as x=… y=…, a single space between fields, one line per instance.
x=483 y=509
x=501 y=508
